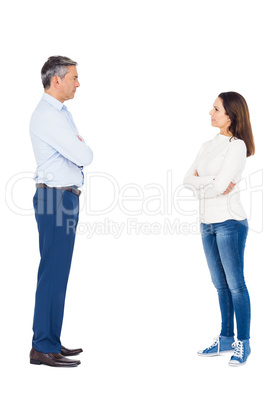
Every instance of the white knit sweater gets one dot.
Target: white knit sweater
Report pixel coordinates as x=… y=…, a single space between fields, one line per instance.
x=219 y=162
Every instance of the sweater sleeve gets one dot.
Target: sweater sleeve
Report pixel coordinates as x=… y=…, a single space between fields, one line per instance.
x=233 y=163
x=195 y=183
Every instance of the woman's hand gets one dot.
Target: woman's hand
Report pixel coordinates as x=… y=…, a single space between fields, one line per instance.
x=196 y=174
x=229 y=188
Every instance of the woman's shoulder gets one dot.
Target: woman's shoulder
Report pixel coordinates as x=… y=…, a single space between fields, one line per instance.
x=238 y=147
x=237 y=142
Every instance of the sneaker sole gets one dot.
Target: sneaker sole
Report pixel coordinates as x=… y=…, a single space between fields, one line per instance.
x=223 y=353
x=236 y=364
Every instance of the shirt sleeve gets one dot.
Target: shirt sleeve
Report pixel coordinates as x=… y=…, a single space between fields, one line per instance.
x=56 y=131
x=233 y=163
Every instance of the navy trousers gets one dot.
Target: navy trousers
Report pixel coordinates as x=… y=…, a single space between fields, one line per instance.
x=56 y=213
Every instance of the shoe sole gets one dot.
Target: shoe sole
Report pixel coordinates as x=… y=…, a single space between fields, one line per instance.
x=33 y=361
x=38 y=362
x=236 y=364
x=223 y=353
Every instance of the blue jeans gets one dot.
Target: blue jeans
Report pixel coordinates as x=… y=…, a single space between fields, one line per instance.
x=56 y=213
x=224 y=245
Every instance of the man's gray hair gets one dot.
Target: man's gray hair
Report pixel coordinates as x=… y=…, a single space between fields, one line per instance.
x=55 y=65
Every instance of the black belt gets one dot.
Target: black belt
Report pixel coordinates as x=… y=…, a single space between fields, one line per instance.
x=72 y=189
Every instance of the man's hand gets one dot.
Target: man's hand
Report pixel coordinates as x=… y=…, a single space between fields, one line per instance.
x=229 y=188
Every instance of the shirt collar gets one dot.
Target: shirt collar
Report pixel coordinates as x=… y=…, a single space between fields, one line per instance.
x=53 y=101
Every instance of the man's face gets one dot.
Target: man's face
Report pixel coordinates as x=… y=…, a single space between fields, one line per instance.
x=68 y=84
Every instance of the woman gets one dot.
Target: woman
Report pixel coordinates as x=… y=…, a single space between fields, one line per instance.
x=213 y=178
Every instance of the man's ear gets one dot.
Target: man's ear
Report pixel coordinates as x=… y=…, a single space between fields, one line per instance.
x=56 y=81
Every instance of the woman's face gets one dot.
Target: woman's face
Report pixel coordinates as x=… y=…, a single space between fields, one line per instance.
x=219 y=118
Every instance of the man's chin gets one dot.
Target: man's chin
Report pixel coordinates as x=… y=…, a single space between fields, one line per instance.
x=71 y=96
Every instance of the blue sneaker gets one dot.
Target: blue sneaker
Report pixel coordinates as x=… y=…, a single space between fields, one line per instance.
x=221 y=345
x=241 y=353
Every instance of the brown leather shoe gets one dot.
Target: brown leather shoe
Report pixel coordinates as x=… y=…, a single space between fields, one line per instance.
x=52 y=359
x=70 y=352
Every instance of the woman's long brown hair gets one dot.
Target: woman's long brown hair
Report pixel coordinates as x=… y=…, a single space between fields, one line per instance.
x=237 y=109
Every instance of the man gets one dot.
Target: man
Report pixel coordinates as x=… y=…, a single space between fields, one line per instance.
x=60 y=154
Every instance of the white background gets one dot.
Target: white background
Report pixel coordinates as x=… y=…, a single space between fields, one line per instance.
x=143 y=304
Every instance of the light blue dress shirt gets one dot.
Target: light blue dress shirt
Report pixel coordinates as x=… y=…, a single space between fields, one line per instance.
x=60 y=151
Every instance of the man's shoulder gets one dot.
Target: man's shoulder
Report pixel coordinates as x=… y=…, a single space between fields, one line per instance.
x=44 y=111
x=44 y=107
